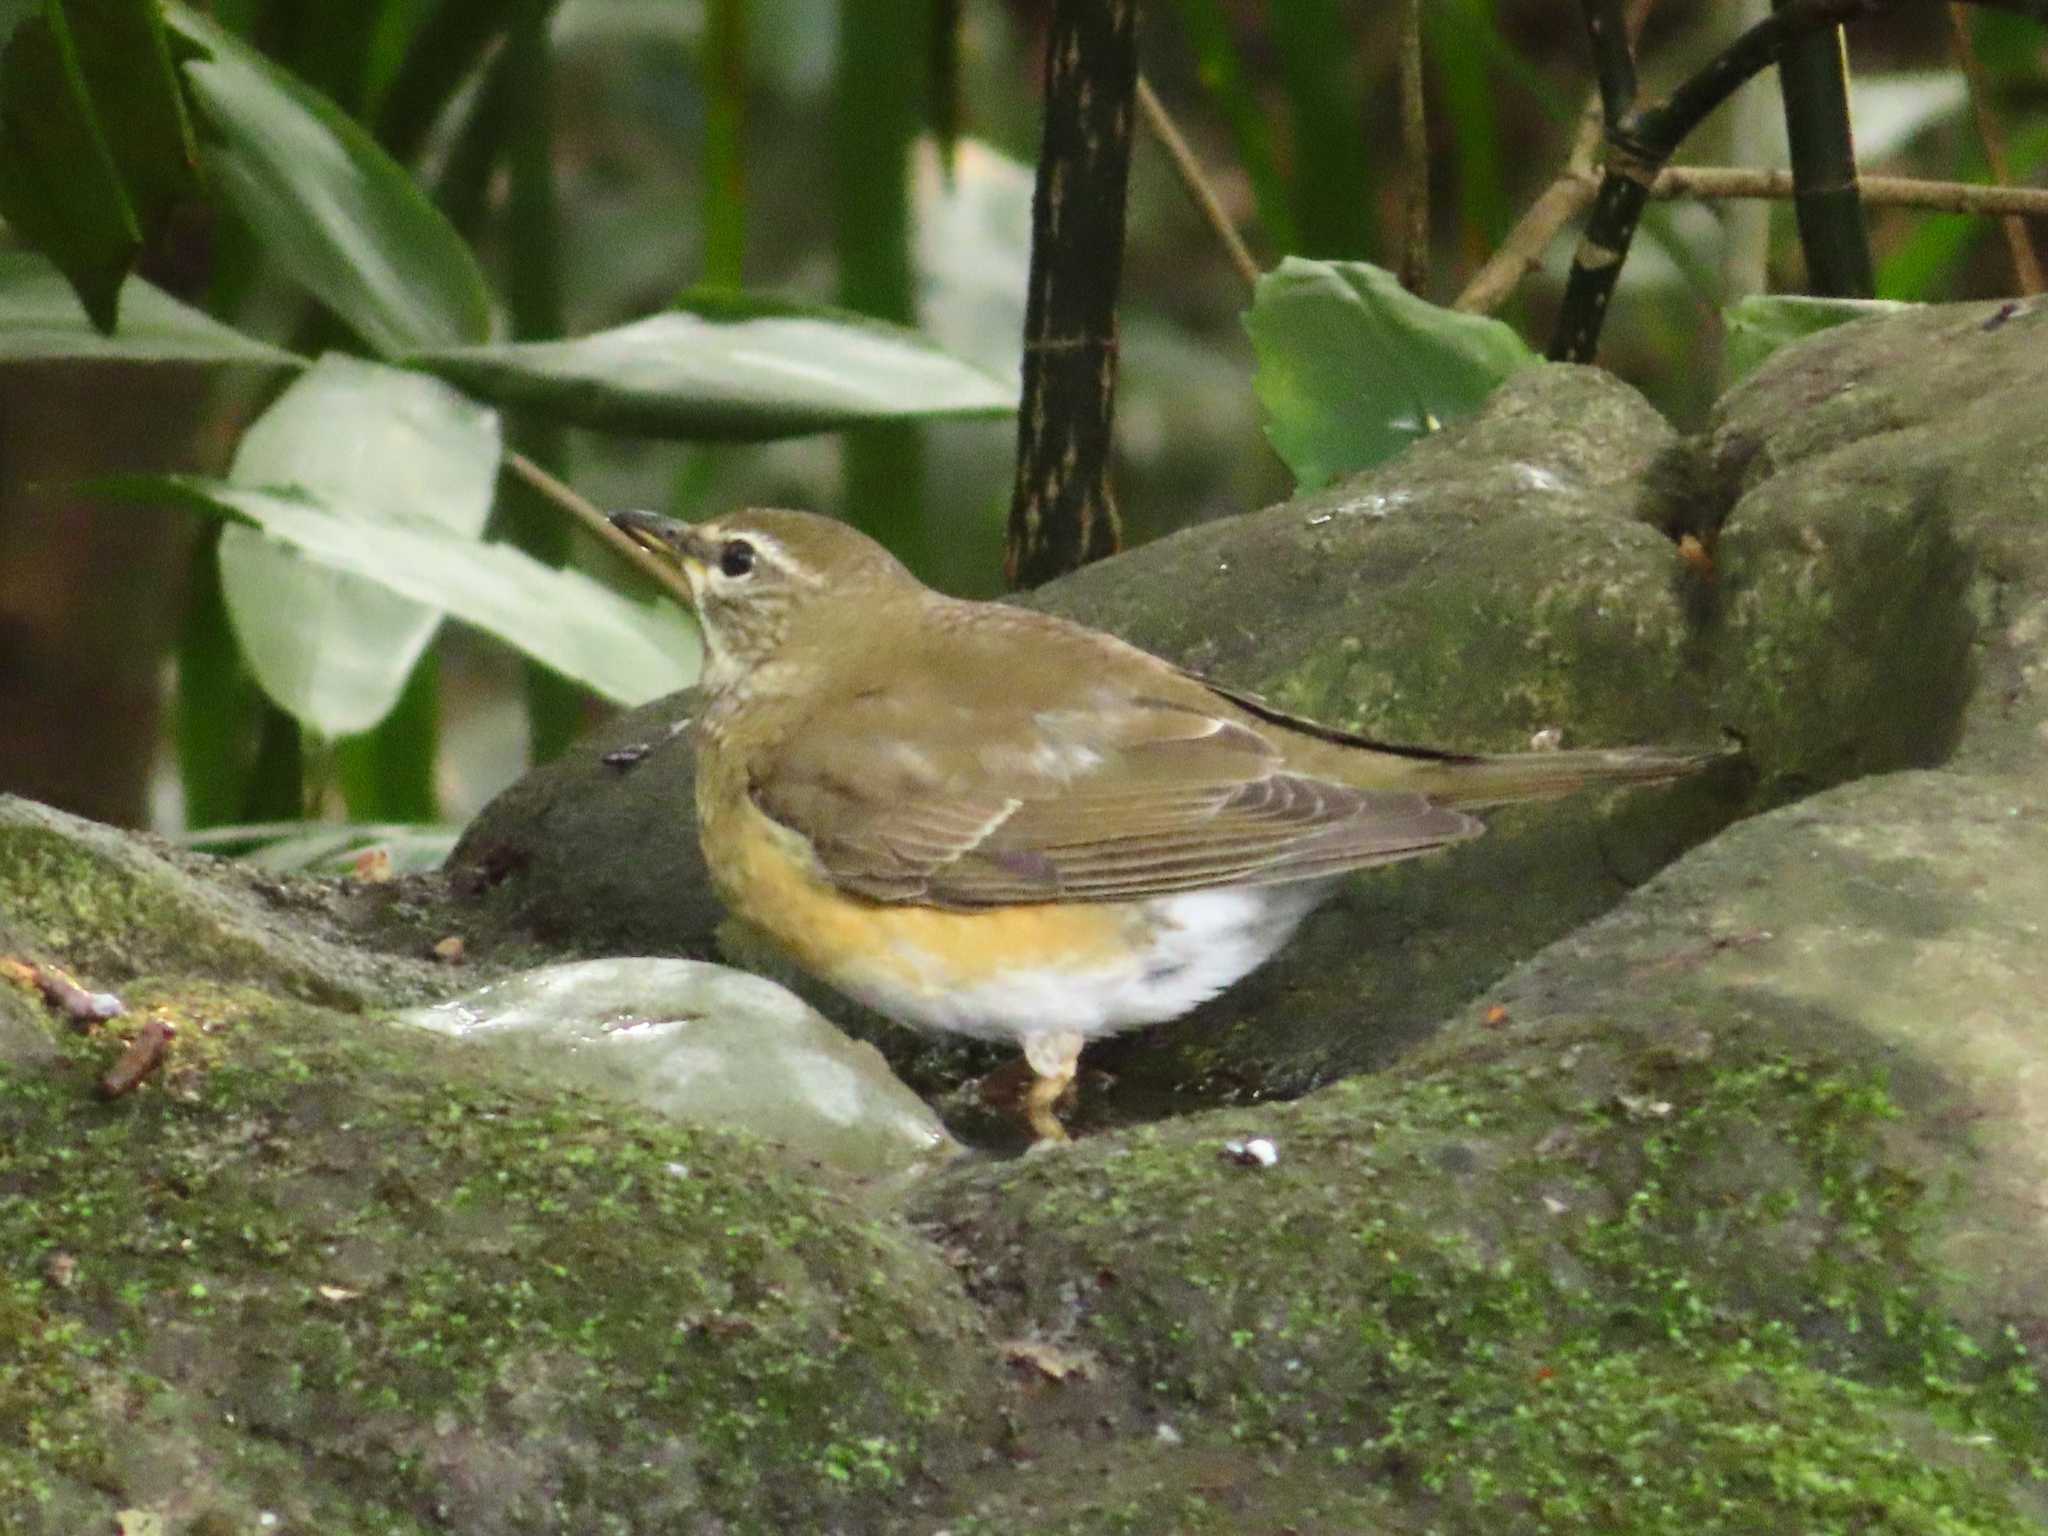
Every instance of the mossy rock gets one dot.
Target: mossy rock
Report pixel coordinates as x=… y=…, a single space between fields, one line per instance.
x=1663 y=1245
x=1722 y=1214
x=118 y=905
x=333 y=1273
x=1911 y=438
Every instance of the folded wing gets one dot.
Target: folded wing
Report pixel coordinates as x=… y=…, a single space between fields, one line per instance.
x=1115 y=799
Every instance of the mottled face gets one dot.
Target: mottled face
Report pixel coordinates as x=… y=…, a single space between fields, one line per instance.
x=756 y=575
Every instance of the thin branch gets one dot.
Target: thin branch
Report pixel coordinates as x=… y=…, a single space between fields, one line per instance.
x=2026 y=265
x=1574 y=189
x=1196 y=181
x=591 y=516
x=1414 y=153
x=1726 y=182
x=1561 y=202
x=1639 y=145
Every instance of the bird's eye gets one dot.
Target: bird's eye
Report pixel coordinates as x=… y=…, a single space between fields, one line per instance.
x=736 y=558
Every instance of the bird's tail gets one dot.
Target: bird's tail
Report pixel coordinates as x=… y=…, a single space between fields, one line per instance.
x=1475 y=782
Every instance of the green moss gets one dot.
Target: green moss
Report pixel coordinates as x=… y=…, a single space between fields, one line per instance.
x=310 y=1229
x=75 y=902
x=112 y=906
x=1653 y=1296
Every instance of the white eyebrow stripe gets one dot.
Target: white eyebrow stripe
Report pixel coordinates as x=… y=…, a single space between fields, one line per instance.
x=771 y=549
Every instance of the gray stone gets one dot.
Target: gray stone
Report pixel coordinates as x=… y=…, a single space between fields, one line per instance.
x=1886 y=545
x=1897 y=926
x=706 y=1046
x=596 y=852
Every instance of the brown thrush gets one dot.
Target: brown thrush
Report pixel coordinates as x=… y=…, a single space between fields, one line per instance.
x=976 y=818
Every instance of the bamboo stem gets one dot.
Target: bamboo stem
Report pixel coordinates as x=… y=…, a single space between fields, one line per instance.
x=1414 y=154
x=1639 y=145
x=1813 y=82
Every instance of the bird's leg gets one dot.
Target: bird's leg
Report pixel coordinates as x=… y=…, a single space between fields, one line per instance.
x=1052 y=1059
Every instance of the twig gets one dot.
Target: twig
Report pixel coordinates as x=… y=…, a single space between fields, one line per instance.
x=1196 y=181
x=2026 y=265
x=1414 y=153
x=1561 y=202
x=144 y=1055
x=1723 y=182
x=84 y=1009
x=1639 y=145
x=1575 y=186
x=592 y=517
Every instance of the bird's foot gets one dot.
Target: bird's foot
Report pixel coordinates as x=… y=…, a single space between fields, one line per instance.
x=1053 y=1059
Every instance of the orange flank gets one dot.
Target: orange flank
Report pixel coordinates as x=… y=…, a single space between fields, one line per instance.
x=769 y=878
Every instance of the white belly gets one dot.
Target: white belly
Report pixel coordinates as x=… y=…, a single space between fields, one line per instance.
x=1188 y=947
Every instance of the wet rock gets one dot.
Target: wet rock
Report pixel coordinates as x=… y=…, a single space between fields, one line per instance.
x=705 y=1046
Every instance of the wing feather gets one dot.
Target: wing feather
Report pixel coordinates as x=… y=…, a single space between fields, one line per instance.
x=1132 y=797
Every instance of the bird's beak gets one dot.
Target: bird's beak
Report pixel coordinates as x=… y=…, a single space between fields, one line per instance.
x=669 y=541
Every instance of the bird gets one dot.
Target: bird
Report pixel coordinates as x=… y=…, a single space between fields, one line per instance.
x=980 y=819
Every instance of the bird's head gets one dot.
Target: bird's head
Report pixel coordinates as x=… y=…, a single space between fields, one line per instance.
x=761 y=577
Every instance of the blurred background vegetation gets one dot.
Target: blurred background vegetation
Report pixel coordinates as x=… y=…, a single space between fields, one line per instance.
x=603 y=156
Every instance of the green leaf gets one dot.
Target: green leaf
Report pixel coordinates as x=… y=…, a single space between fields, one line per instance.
x=625 y=651
x=735 y=369
x=380 y=446
x=1352 y=367
x=327 y=847
x=59 y=186
x=95 y=146
x=330 y=207
x=1760 y=324
x=141 y=105
x=41 y=319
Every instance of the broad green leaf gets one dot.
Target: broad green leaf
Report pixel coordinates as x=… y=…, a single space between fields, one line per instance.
x=738 y=370
x=95 y=146
x=388 y=448
x=59 y=186
x=141 y=104
x=331 y=649
x=1352 y=367
x=330 y=207
x=1760 y=324
x=42 y=320
x=625 y=651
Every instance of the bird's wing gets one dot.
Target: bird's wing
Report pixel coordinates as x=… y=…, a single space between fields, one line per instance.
x=1101 y=796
